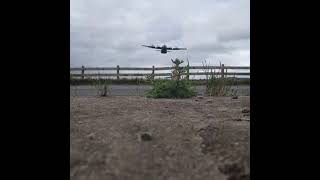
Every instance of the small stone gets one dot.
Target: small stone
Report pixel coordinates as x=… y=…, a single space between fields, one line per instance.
x=209 y=101
x=221 y=158
x=203 y=145
x=146 y=137
x=91 y=136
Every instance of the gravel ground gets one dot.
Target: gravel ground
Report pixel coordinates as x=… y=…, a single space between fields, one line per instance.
x=132 y=137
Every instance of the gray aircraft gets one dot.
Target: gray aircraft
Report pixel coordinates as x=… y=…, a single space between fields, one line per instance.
x=164 y=49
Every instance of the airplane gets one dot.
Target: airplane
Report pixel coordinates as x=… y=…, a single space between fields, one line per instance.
x=164 y=48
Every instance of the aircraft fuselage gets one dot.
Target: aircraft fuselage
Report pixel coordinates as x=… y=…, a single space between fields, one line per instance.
x=164 y=49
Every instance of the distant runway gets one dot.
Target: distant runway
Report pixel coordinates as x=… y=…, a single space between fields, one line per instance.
x=139 y=90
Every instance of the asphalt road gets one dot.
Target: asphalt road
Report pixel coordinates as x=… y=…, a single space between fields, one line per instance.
x=138 y=90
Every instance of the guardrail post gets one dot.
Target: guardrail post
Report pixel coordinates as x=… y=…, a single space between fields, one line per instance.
x=118 y=69
x=226 y=73
x=222 y=70
x=82 y=72
x=152 y=72
x=188 y=67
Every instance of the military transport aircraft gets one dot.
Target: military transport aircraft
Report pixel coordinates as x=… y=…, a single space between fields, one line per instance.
x=164 y=48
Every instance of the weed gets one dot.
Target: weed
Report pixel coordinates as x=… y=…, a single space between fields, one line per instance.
x=177 y=87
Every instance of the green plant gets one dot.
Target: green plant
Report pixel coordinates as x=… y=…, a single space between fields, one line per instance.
x=170 y=89
x=187 y=71
x=102 y=86
x=234 y=82
x=177 y=87
x=216 y=85
x=177 y=70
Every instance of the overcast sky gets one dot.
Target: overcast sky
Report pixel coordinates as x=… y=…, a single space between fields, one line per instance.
x=111 y=32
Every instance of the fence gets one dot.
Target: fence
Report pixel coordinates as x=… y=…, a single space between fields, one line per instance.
x=221 y=70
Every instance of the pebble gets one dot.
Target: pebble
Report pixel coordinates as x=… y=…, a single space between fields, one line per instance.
x=91 y=136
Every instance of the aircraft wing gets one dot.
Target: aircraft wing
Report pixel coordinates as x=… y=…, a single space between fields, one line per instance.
x=170 y=48
x=152 y=47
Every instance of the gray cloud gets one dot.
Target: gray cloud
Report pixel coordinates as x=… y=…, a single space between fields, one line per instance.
x=110 y=33
x=234 y=36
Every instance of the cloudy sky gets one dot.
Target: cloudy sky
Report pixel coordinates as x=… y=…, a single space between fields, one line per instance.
x=111 y=32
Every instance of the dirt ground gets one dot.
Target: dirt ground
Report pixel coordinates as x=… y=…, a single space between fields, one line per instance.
x=136 y=138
